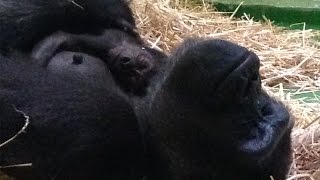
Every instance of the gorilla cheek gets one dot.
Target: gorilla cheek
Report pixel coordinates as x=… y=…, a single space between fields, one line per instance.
x=75 y=64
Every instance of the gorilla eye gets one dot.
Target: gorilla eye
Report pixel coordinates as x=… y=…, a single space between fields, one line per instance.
x=77 y=59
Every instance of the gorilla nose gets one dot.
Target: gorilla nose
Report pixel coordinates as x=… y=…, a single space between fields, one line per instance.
x=228 y=63
x=242 y=82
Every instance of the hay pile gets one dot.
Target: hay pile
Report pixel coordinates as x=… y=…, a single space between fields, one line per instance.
x=289 y=59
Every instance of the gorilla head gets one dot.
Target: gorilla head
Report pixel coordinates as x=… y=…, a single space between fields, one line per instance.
x=102 y=105
x=211 y=120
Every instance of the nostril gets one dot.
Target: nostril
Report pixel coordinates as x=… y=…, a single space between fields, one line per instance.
x=125 y=60
x=77 y=59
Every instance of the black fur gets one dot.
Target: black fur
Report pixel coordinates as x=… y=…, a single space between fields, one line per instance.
x=75 y=132
x=104 y=106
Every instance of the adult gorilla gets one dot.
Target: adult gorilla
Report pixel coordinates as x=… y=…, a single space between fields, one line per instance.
x=99 y=102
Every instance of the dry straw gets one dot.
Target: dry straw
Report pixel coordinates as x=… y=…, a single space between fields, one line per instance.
x=289 y=59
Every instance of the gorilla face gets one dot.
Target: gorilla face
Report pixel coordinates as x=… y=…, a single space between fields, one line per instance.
x=220 y=120
x=132 y=65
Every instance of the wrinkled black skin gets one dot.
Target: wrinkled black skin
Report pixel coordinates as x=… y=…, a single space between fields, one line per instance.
x=103 y=106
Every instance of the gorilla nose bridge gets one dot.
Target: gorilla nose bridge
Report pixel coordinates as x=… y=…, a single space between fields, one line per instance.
x=249 y=68
x=222 y=61
x=243 y=81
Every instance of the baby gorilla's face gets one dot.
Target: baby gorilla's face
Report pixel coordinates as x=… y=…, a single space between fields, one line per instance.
x=94 y=57
x=131 y=65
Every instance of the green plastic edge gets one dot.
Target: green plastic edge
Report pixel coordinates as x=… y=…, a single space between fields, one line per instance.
x=307 y=96
x=290 y=17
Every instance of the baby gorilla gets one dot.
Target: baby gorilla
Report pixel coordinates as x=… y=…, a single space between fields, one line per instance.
x=73 y=56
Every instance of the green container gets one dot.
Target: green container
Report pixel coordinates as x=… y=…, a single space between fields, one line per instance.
x=288 y=13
